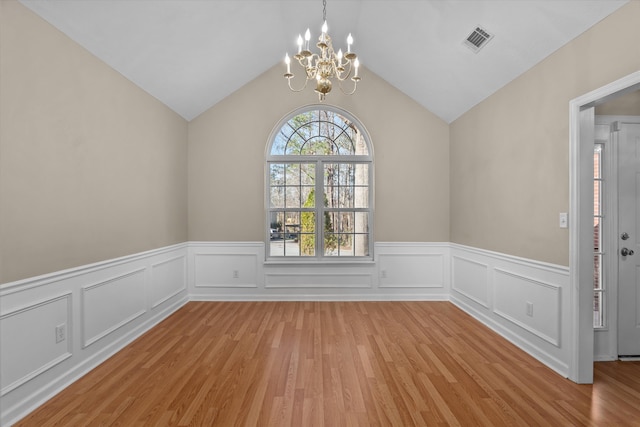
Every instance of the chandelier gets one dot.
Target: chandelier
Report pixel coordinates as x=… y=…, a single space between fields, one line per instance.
x=325 y=65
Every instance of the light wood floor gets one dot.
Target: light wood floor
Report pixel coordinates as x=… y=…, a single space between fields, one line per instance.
x=335 y=364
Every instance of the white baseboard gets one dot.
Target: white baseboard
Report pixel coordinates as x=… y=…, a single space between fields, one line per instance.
x=318 y=297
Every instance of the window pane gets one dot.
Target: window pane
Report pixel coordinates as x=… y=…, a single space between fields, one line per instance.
x=347 y=174
x=276 y=174
x=361 y=197
x=292 y=222
x=308 y=197
x=598 y=309
x=360 y=144
x=345 y=198
x=280 y=141
x=276 y=219
x=277 y=197
x=276 y=235
x=291 y=247
x=330 y=244
x=318 y=147
x=307 y=244
x=361 y=245
x=597 y=276
x=361 y=223
x=597 y=161
x=597 y=235
x=346 y=224
x=345 y=144
x=307 y=174
x=332 y=175
x=597 y=198
x=293 y=174
x=361 y=174
x=307 y=234
x=292 y=197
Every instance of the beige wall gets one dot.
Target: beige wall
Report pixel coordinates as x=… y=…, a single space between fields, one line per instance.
x=624 y=105
x=91 y=167
x=510 y=154
x=227 y=159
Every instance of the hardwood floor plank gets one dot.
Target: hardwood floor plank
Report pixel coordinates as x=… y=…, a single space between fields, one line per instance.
x=334 y=364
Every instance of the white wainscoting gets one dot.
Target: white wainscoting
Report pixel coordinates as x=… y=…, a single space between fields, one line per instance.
x=525 y=301
x=100 y=308
x=237 y=271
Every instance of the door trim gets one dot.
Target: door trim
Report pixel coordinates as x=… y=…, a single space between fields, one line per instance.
x=580 y=257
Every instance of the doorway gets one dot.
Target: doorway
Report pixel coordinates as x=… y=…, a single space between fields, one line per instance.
x=581 y=267
x=616 y=195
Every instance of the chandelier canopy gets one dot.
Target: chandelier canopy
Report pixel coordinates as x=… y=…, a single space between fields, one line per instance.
x=326 y=64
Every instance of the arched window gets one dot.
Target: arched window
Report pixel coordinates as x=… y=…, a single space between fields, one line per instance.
x=319 y=180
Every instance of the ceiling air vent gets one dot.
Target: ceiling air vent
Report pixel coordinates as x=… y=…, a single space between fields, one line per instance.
x=477 y=39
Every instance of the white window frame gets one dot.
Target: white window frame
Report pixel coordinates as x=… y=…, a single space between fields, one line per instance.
x=319 y=209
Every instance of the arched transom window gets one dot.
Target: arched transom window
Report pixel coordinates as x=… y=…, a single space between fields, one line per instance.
x=319 y=187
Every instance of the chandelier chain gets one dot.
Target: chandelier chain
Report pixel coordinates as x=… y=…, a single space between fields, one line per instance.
x=324 y=10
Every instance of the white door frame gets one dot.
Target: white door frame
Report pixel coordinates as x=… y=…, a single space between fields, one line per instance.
x=581 y=250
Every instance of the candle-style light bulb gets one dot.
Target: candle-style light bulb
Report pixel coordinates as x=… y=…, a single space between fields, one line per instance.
x=299 y=43
x=287 y=61
x=324 y=31
x=349 y=43
x=307 y=37
x=356 y=64
x=339 y=56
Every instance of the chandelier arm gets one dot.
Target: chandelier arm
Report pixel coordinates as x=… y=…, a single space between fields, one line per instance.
x=306 y=81
x=307 y=65
x=355 y=85
x=348 y=72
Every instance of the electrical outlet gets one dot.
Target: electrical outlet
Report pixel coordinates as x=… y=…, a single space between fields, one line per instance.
x=61 y=333
x=236 y=274
x=530 y=309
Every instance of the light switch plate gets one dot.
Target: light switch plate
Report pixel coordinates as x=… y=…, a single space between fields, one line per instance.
x=564 y=220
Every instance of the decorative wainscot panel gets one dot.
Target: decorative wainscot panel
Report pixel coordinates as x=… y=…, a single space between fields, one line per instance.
x=471 y=279
x=103 y=308
x=413 y=270
x=30 y=346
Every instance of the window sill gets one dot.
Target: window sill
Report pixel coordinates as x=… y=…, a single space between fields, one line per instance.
x=315 y=263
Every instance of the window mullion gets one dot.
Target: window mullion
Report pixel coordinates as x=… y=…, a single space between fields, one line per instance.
x=319 y=208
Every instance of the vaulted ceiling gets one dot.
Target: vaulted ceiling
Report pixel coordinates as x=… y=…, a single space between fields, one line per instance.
x=190 y=54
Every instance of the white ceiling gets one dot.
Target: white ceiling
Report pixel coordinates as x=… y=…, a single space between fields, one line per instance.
x=190 y=54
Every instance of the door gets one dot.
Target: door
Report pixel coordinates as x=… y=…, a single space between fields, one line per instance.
x=629 y=240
